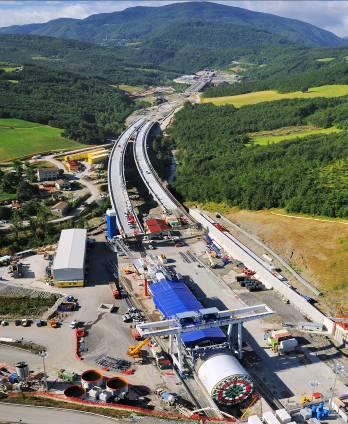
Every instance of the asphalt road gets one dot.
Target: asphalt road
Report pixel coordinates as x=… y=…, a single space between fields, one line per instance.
x=117 y=185
x=155 y=187
x=33 y=415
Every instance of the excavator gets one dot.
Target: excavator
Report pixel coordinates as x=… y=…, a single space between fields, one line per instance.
x=135 y=351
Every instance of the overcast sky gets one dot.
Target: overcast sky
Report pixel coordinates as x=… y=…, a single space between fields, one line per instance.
x=329 y=14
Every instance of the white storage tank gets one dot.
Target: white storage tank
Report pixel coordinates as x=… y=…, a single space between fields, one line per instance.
x=288 y=345
x=254 y=419
x=283 y=416
x=225 y=379
x=270 y=418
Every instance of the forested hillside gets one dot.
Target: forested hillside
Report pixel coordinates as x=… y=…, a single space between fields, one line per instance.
x=290 y=70
x=136 y=23
x=105 y=63
x=184 y=37
x=216 y=162
x=88 y=110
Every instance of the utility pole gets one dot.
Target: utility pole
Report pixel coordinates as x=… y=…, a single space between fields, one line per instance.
x=43 y=354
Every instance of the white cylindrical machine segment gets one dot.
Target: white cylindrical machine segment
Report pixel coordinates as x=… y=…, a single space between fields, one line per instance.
x=225 y=379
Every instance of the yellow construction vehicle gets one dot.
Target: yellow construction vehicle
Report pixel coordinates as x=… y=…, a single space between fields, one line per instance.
x=135 y=351
x=305 y=399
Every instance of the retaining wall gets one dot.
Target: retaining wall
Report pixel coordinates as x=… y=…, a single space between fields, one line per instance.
x=239 y=251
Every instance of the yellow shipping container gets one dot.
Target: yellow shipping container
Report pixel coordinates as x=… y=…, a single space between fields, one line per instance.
x=97 y=159
x=83 y=155
x=59 y=283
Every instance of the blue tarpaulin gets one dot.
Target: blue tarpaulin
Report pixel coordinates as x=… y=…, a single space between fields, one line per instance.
x=173 y=297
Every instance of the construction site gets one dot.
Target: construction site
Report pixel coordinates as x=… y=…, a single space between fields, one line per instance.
x=165 y=312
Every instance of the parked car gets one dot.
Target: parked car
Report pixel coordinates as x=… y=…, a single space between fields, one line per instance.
x=73 y=324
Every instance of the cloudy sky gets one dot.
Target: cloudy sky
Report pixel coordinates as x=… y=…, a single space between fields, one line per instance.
x=329 y=14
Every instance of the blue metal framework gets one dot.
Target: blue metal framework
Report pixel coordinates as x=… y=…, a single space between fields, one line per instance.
x=174 y=297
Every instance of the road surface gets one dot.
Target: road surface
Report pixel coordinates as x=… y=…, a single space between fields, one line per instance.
x=147 y=172
x=117 y=185
x=33 y=415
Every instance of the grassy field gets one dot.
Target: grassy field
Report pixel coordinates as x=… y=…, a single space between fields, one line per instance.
x=19 y=307
x=7 y=196
x=326 y=59
x=47 y=59
x=131 y=89
x=287 y=133
x=20 y=138
x=42 y=164
x=271 y=95
x=315 y=246
x=29 y=399
x=8 y=68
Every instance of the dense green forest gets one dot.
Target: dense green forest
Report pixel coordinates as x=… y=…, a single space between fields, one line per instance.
x=113 y=66
x=216 y=161
x=88 y=110
x=290 y=70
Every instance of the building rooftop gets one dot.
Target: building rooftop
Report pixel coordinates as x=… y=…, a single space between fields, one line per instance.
x=174 y=297
x=71 y=249
x=50 y=169
x=155 y=225
x=61 y=205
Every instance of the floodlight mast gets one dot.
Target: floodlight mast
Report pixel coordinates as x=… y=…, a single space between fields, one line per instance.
x=202 y=320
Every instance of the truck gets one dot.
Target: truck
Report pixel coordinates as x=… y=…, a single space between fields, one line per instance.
x=53 y=323
x=212 y=260
x=135 y=333
x=67 y=307
x=162 y=361
x=5 y=260
x=248 y=272
x=162 y=258
x=281 y=341
x=267 y=257
x=25 y=322
x=115 y=290
x=67 y=376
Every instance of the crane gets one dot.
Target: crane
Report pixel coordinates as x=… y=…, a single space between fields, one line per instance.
x=135 y=351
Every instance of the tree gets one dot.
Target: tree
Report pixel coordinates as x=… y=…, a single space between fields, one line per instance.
x=10 y=182
x=30 y=174
x=5 y=213
x=26 y=191
x=16 y=224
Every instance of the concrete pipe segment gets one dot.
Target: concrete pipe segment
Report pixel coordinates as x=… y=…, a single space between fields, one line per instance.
x=91 y=378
